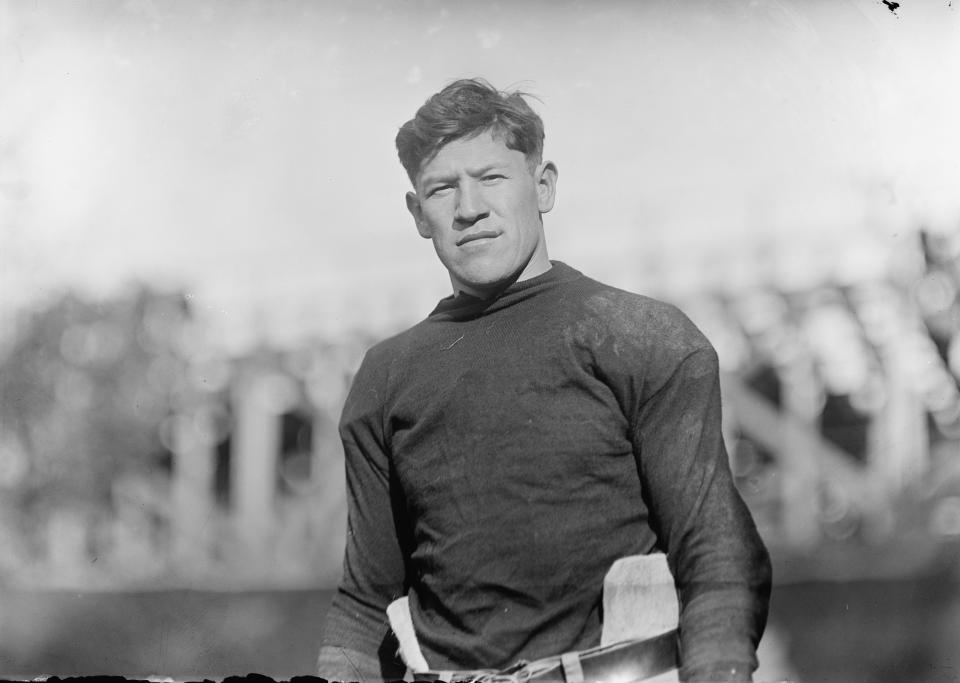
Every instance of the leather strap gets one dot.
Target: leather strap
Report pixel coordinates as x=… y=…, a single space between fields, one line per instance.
x=631 y=660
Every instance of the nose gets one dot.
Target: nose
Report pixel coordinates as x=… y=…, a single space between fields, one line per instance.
x=470 y=204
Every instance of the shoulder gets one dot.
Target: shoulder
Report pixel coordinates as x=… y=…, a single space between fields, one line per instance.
x=641 y=321
x=390 y=356
x=370 y=385
x=397 y=347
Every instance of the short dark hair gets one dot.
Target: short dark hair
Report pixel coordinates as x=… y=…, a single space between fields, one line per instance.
x=466 y=108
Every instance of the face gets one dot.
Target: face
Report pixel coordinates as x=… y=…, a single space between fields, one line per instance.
x=480 y=203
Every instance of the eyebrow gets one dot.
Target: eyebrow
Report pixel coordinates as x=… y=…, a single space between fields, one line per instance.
x=475 y=173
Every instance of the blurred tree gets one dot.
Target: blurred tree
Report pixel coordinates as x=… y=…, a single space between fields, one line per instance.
x=85 y=388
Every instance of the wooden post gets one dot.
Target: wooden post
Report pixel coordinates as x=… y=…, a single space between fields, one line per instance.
x=260 y=397
x=899 y=440
x=900 y=443
x=800 y=471
x=191 y=493
x=66 y=541
x=327 y=390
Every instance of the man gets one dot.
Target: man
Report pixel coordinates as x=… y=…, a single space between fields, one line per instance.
x=534 y=428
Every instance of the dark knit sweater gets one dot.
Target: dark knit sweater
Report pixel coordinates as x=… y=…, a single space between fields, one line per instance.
x=501 y=454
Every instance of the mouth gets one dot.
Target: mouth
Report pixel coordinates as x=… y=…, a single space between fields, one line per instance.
x=474 y=236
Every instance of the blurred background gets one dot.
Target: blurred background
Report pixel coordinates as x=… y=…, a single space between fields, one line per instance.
x=202 y=229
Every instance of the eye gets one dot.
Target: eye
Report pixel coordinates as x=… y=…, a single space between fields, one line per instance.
x=492 y=177
x=439 y=189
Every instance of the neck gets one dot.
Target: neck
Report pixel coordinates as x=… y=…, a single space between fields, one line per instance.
x=537 y=264
x=493 y=290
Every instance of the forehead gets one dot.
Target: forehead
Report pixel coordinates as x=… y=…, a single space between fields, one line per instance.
x=478 y=151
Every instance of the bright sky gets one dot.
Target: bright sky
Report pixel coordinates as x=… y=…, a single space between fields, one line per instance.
x=244 y=150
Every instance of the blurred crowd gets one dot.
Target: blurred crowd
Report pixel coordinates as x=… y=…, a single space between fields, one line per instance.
x=136 y=452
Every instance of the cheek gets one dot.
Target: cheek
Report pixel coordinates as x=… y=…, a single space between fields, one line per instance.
x=528 y=207
x=437 y=212
x=432 y=227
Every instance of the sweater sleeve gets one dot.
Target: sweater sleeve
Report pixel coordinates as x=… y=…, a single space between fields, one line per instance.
x=719 y=562
x=373 y=565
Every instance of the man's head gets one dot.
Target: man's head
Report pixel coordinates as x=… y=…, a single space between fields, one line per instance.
x=464 y=109
x=474 y=156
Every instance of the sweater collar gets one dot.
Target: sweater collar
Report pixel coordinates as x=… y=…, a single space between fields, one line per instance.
x=467 y=306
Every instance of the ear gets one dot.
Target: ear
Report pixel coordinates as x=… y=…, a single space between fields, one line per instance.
x=546 y=185
x=413 y=206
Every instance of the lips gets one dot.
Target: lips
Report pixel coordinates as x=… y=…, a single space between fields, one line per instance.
x=473 y=236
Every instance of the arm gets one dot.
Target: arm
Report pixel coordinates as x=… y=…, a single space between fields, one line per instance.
x=357 y=642
x=720 y=564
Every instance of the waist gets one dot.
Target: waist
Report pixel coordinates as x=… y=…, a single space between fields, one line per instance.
x=630 y=660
